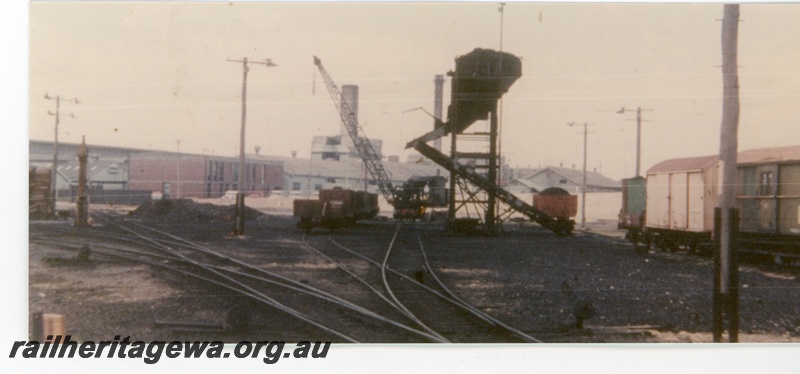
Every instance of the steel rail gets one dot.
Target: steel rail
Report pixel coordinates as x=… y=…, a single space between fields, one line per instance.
x=468 y=306
x=384 y=266
x=391 y=303
x=412 y=280
x=318 y=292
x=450 y=293
x=250 y=291
x=243 y=290
x=311 y=291
x=366 y=312
x=349 y=272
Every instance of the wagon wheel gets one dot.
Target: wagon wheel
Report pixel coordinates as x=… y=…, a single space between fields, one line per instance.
x=305 y=224
x=669 y=246
x=636 y=239
x=694 y=246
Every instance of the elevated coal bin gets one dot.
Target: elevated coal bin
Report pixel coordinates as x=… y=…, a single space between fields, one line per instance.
x=480 y=79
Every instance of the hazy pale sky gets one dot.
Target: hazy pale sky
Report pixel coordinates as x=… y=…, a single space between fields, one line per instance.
x=148 y=74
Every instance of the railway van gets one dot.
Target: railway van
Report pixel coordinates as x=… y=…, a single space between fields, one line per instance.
x=680 y=196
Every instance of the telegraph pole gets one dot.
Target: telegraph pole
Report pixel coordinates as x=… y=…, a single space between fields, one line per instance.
x=239 y=222
x=57 y=114
x=82 y=220
x=728 y=269
x=639 y=111
x=178 y=185
x=583 y=183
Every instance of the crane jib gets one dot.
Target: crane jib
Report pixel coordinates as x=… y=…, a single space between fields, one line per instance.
x=372 y=160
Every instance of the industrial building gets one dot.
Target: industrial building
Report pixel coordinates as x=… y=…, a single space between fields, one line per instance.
x=304 y=176
x=201 y=176
x=184 y=175
x=337 y=148
x=537 y=180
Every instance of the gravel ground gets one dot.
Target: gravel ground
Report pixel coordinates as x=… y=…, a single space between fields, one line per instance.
x=526 y=277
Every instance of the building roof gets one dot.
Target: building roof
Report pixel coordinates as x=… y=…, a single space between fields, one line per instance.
x=684 y=164
x=397 y=171
x=593 y=179
x=69 y=171
x=748 y=157
x=154 y=155
x=766 y=155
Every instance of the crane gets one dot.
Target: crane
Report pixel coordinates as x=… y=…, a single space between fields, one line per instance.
x=372 y=160
x=408 y=200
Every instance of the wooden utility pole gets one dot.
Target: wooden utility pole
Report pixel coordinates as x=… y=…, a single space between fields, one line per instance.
x=639 y=111
x=727 y=154
x=583 y=183
x=53 y=184
x=238 y=228
x=83 y=200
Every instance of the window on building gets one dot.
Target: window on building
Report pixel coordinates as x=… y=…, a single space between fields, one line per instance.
x=330 y=180
x=765 y=184
x=317 y=187
x=295 y=186
x=219 y=171
x=562 y=181
x=330 y=156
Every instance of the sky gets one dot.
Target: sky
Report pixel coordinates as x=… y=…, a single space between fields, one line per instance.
x=150 y=74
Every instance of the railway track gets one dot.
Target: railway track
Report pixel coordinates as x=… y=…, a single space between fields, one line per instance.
x=411 y=287
x=389 y=295
x=338 y=319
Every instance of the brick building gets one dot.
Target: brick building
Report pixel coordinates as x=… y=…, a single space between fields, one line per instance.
x=186 y=175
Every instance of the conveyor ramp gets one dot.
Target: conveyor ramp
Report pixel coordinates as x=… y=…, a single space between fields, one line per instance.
x=558 y=226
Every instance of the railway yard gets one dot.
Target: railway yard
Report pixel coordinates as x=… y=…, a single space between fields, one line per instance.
x=385 y=281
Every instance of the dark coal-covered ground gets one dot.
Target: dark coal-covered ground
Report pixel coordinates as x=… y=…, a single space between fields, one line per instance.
x=526 y=277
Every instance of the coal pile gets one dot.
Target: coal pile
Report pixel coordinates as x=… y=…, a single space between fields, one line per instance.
x=186 y=210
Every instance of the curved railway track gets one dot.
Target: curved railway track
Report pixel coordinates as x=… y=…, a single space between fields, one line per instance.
x=412 y=288
x=389 y=293
x=339 y=319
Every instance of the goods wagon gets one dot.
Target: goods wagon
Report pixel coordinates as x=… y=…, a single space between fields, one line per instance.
x=631 y=216
x=39 y=203
x=556 y=203
x=681 y=195
x=336 y=208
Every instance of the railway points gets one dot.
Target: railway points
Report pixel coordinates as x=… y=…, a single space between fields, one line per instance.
x=525 y=286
